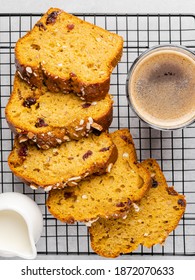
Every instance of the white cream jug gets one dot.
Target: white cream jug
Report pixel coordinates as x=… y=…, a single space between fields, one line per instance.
x=21 y=225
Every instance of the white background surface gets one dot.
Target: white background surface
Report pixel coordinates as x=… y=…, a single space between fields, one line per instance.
x=99 y=6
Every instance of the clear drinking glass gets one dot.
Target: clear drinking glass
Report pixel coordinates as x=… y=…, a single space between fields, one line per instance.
x=178 y=49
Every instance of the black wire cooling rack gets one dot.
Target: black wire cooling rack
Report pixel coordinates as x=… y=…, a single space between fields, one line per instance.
x=174 y=151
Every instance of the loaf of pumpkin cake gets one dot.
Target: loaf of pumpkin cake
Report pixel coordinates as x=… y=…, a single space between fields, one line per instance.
x=64 y=165
x=68 y=54
x=156 y=216
x=108 y=195
x=49 y=119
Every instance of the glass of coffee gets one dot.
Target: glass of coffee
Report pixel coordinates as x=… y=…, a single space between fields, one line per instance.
x=161 y=87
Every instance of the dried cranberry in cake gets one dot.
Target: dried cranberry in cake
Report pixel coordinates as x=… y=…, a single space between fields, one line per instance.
x=181 y=202
x=105 y=149
x=120 y=204
x=51 y=19
x=86 y=105
x=126 y=139
x=23 y=150
x=41 y=26
x=171 y=191
x=87 y=154
x=40 y=123
x=28 y=102
x=70 y=26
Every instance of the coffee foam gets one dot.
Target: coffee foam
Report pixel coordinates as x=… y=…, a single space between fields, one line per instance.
x=162 y=89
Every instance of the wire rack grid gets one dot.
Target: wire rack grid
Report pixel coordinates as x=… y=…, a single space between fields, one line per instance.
x=174 y=151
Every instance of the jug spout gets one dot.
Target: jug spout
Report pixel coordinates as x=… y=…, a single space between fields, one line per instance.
x=21 y=225
x=15 y=236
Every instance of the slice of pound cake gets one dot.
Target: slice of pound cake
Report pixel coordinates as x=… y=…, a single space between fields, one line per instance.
x=108 y=195
x=158 y=213
x=50 y=119
x=65 y=165
x=68 y=54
